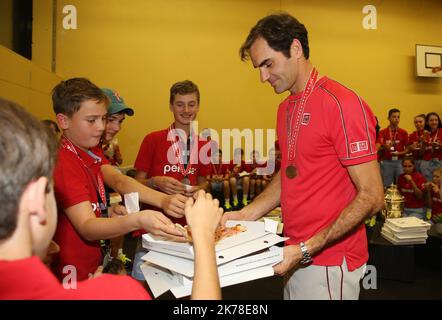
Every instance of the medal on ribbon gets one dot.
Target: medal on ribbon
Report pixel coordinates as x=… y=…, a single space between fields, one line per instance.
x=294 y=118
x=179 y=155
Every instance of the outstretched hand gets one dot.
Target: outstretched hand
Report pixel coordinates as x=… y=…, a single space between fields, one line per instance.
x=203 y=214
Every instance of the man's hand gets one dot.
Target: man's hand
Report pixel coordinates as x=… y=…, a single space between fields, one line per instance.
x=292 y=256
x=408 y=177
x=159 y=225
x=116 y=211
x=169 y=185
x=173 y=205
x=232 y=215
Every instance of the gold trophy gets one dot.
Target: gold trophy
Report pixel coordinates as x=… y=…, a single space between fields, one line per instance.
x=394 y=203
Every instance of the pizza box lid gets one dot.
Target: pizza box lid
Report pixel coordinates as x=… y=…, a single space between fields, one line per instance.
x=255 y=238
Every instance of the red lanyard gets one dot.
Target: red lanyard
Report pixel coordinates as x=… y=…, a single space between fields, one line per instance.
x=393 y=139
x=435 y=136
x=66 y=144
x=215 y=169
x=293 y=123
x=171 y=136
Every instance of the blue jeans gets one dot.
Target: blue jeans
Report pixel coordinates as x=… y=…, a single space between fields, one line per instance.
x=427 y=168
x=391 y=170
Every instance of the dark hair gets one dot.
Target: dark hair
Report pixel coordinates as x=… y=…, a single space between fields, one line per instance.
x=50 y=123
x=279 y=30
x=391 y=111
x=67 y=96
x=114 y=266
x=422 y=115
x=427 y=118
x=408 y=158
x=183 y=88
x=27 y=152
x=377 y=128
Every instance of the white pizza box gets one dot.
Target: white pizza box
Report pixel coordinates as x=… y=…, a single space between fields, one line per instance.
x=407 y=223
x=254 y=239
x=185 y=274
x=161 y=280
x=390 y=238
x=183 y=268
x=405 y=234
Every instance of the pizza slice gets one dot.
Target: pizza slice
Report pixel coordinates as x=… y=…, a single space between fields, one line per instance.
x=220 y=232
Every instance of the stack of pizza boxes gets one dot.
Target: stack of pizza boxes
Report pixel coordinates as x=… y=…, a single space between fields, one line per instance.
x=405 y=231
x=242 y=257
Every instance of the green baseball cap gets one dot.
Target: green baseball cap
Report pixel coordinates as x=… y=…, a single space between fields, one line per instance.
x=117 y=104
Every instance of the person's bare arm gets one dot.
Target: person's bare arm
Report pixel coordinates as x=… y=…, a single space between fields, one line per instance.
x=268 y=200
x=203 y=217
x=368 y=201
x=92 y=228
x=173 y=205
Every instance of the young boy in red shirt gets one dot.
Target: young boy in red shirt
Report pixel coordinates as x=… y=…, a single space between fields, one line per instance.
x=29 y=217
x=79 y=178
x=169 y=160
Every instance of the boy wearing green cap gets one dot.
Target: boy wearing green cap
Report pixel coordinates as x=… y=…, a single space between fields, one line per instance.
x=115 y=116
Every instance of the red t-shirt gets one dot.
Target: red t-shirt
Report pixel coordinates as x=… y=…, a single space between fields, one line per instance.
x=220 y=168
x=416 y=137
x=250 y=166
x=30 y=279
x=399 y=140
x=406 y=189
x=240 y=167
x=337 y=130
x=153 y=159
x=73 y=184
x=430 y=152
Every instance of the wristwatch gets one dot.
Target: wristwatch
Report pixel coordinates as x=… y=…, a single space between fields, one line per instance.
x=306 y=257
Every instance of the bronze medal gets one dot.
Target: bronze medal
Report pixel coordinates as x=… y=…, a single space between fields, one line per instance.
x=290 y=172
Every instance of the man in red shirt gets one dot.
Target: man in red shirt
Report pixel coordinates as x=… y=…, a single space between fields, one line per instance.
x=329 y=181
x=29 y=217
x=171 y=160
x=392 y=145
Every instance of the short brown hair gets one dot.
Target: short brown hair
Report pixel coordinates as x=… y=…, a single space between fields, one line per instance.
x=183 y=88
x=279 y=30
x=27 y=152
x=67 y=96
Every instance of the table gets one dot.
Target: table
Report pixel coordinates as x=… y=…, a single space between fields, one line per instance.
x=394 y=262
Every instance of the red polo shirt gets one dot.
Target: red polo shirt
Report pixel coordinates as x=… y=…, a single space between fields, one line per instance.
x=337 y=130
x=30 y=279
x=406 y=189
x=398 y=137
x=73 y=184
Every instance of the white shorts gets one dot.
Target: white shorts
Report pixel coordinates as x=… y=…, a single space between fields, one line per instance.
x=323 y=283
